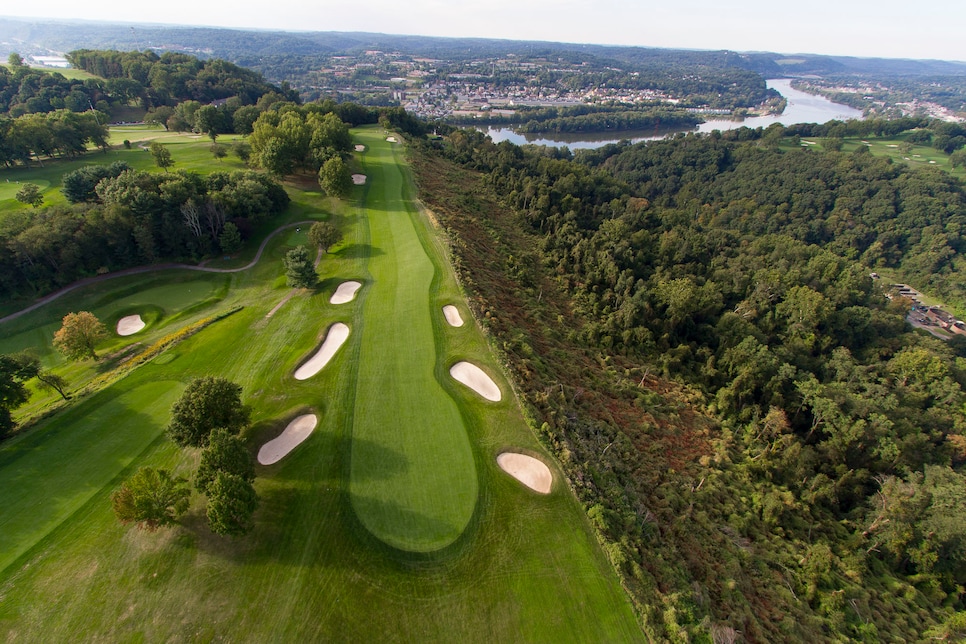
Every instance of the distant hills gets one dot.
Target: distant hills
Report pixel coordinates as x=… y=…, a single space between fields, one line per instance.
x=264 y=49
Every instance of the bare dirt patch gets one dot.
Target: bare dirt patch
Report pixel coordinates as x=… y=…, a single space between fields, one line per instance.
x=130 y=324
x=530 y=471
x=291 y=437
x=476 y=379
x=345 y=293
x=334 y=339
x=452 y=315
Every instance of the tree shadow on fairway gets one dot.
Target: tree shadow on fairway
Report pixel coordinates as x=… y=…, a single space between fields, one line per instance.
x=323 y=457
x=358 y=251
x=403 y=529
x=295 y=525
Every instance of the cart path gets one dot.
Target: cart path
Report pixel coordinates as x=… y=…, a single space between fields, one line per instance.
x=150 y=269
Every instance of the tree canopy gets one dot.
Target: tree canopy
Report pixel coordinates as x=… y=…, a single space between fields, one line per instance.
x=227 y=453
x=120 y=218
x=324 y=235
x=335 y=178
x=697 y=333
x=300 y=268
x=152 y=499
x=78 y=335
x=15 y=371
x=207 y=403
x=232 y=502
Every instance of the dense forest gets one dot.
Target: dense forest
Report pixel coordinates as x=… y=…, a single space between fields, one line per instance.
x=144 y=79
x=120 y=217
x=588 y=118
x=766 y=448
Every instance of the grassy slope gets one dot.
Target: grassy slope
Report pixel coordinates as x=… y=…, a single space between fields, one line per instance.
x=189 y=152
x=921 y=156
x=413 y=480
x=527 y=567
x=80 y=453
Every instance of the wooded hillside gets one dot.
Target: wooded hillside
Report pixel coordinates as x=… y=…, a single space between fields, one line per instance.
x=765 y=446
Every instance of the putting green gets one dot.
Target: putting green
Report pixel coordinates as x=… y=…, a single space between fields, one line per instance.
x=413 y=481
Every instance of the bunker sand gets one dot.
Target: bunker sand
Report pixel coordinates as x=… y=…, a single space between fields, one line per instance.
x=476 y=379
x=335 y=338
x=530 y=471
x=345 y=293
x=452 y=315
x=293 y=435
x=129 y=325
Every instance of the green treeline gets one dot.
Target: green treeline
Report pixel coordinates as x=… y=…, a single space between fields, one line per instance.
x=172 y=78
x=590 y=118
x=617 y=121
x=56 y=134
x=127 y=219
x=143 y=79
x=24 y=90
x=764 y=444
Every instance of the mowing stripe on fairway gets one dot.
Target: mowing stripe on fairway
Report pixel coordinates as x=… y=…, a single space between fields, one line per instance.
x=413 y=481
x=53 y=471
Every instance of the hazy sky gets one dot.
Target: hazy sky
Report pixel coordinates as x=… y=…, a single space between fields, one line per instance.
x=887 y=28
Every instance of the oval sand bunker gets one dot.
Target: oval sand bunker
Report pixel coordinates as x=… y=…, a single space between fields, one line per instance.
x=358 y=179
x=530 y=471
x=345 y=293
x=360 y=148
x=452 y=315
x=129 y=325
x=295 y=433
x=476 y=379
x=334 y=339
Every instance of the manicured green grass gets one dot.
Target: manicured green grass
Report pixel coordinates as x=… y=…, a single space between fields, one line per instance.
x=525 y=568
x=413 y=480
x=189 y=152
x=920 y=156
x=156 y=299
x=48 y=475
x=70 y=73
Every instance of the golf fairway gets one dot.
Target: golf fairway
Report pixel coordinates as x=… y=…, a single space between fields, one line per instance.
x=413 y=480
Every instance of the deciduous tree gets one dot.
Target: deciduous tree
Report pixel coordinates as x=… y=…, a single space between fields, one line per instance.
x=78 y=335
x=15 y=371
x=30 y=195
x=151 y=498
x=226 y=453
x=206 y=403
x=324 y=234
x=162 y=156
x=334 y=177
x=232 y=502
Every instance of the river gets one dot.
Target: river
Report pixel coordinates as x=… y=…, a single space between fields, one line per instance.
x=801 y=108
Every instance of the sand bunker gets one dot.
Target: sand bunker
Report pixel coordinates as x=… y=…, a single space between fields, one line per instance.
x=476 y=379
x=360 y=148
x=452 y=315
x=295 y=433
x=345 y=293
x=530 y=471
x=358 y=179
x=392 y=139
x=129 y=325
x=334 y=339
